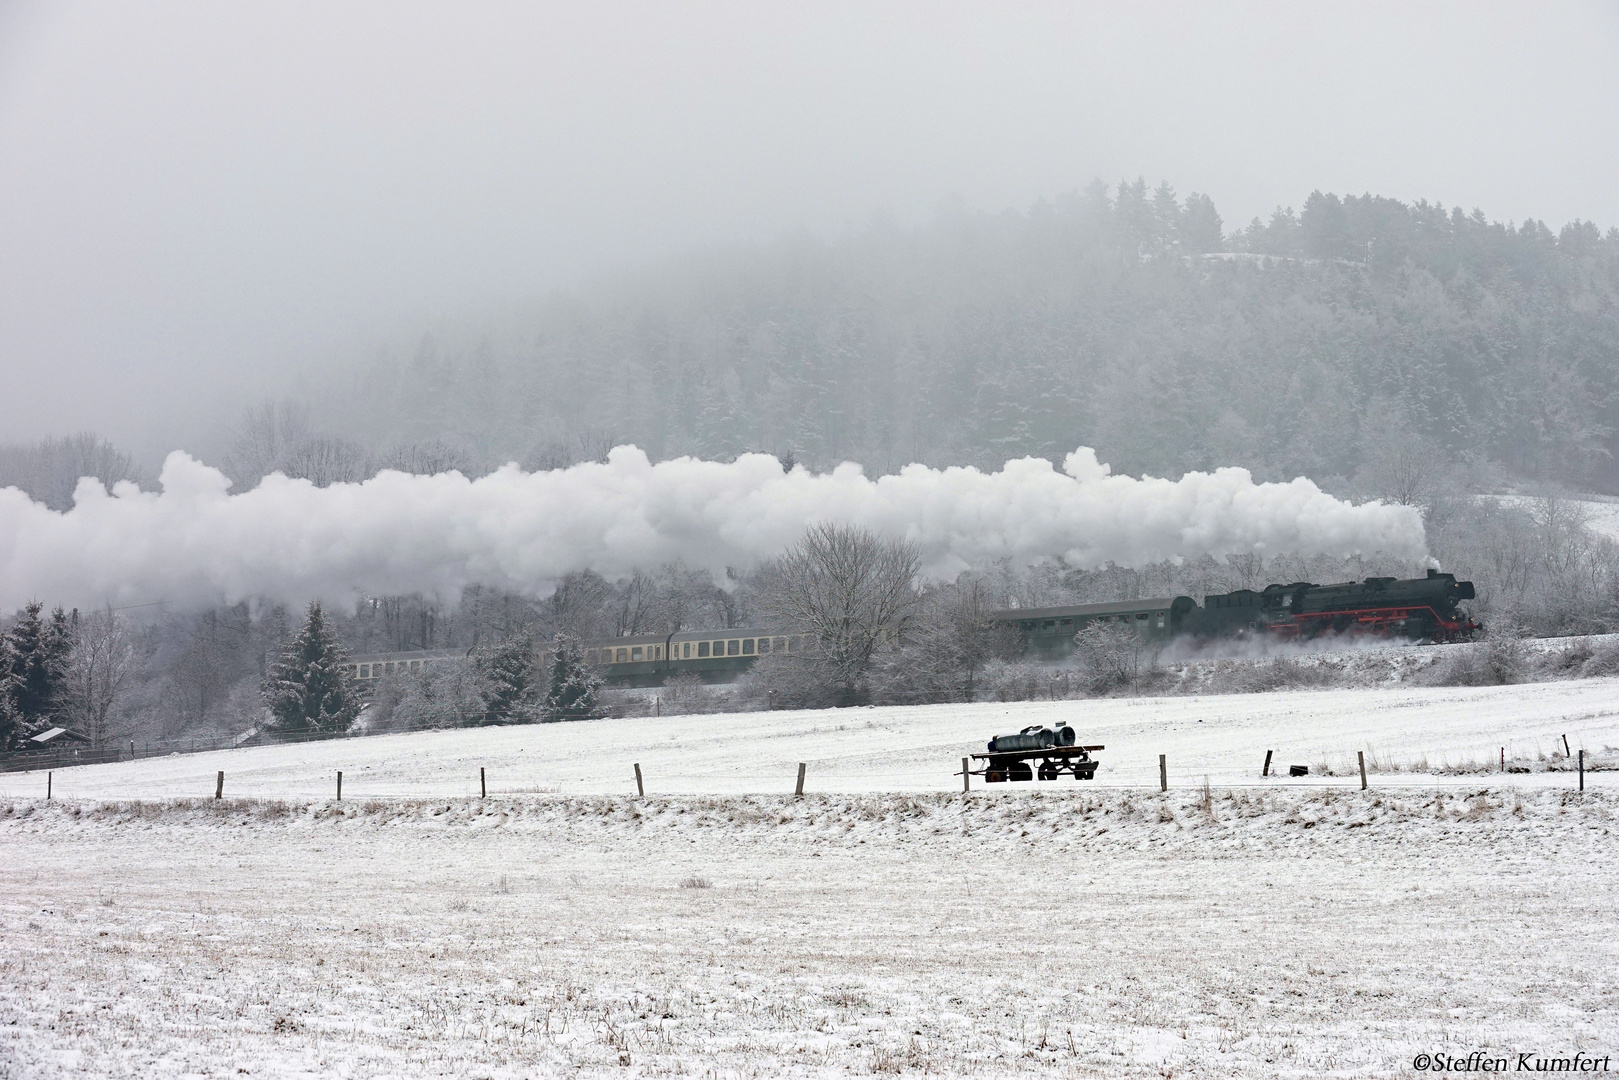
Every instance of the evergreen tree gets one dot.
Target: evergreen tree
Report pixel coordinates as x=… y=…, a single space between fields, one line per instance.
x=575 y=689
x=33 y=674
x=1200 y=225
x=10 y=722
x=514 y=681
x=307 y=690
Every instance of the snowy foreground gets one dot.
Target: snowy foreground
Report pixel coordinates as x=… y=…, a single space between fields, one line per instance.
x=563 y=926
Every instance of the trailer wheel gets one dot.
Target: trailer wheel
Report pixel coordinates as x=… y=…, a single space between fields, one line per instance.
x=1018 y=771
x=994 y=776
x=1050 y=770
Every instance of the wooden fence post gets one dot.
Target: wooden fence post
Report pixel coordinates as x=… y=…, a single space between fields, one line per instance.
x=48 y=778
x=1567 y=753
x=219 y=785
x=339 y=785
x=483 y=784
x=1163 y=773
x=964 y=776
x=1503 y=759
x=1266 y=770
x=1362 y=755
x=640 y=788
x=799 y=790
x=657 y=705
x=1582 y=768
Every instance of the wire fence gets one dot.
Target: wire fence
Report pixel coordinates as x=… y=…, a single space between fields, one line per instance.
x=134 y=749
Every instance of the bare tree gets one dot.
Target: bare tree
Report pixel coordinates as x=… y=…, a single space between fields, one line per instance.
x=849 y=588
x=99 y=668
x=945 y=648
x=326 y=460
x=589 y=444
x=1400 y=465
x=265 y=437
x=1111 y=655
x=50 y=469
x=427 y=459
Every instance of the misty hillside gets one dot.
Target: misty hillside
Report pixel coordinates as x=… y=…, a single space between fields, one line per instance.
x=1120 y=318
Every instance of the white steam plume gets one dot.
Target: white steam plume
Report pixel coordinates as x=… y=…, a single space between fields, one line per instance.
x=194 y=544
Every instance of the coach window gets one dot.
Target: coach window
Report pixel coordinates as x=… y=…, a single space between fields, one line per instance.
x=635 y=653
x=623 y=656
x=764 y=645
x=747 y=646
x=685 y=650
x=702 y=648
x=732 y=646
x=1141 y=617
x=365 y=671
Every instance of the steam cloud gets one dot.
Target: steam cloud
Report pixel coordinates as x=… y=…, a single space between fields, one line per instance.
x=195 y=544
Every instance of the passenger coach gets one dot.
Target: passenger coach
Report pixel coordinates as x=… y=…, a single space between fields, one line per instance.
x=711 y=655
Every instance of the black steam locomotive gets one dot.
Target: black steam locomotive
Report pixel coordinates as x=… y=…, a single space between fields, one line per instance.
x=1417 y=609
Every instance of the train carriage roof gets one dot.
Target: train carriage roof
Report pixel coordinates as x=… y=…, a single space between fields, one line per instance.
x=1073 y=611
x=416 y=654
x=741 y=631
x=684 y=635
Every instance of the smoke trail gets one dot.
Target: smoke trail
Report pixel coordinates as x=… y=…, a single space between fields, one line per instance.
x=194 y=544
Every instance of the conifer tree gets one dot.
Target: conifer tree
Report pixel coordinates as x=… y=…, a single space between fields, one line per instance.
x=575 y=689
x=33 y=674
x=514 y=681
x=307 y=690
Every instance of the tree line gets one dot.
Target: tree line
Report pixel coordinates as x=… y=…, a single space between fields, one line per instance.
x=1119 y=317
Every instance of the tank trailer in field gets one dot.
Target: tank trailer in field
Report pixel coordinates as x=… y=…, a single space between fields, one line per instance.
x=1036 y=751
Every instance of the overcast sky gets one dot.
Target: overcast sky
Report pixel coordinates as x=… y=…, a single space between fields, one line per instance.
x=196 y=198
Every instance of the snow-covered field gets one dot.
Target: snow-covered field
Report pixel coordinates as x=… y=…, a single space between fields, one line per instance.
x=882 y=924
x=906 y=748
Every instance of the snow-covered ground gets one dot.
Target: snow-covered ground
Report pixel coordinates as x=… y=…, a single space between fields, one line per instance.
x=1066 y=931
x=882 y=924
x=1408 y=733
x=1601 y=513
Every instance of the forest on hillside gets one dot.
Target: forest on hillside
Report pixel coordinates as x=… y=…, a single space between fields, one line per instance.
x=1122 y=318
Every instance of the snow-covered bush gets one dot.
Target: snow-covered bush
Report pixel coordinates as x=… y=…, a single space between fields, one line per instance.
x=444 y=695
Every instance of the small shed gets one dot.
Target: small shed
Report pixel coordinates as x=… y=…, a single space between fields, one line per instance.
x=56 y=737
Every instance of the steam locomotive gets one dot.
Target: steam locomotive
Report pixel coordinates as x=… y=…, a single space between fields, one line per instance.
x=1417 y=609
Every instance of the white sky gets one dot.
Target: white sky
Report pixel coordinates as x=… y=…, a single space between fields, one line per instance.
x=197 y=198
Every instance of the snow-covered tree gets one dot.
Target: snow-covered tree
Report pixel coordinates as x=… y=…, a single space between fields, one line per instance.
x=513 y=674
x=574 y=693
x=307 y=690
x=33 y=674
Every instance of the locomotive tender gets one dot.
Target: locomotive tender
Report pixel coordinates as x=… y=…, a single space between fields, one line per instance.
x=1417 y=609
